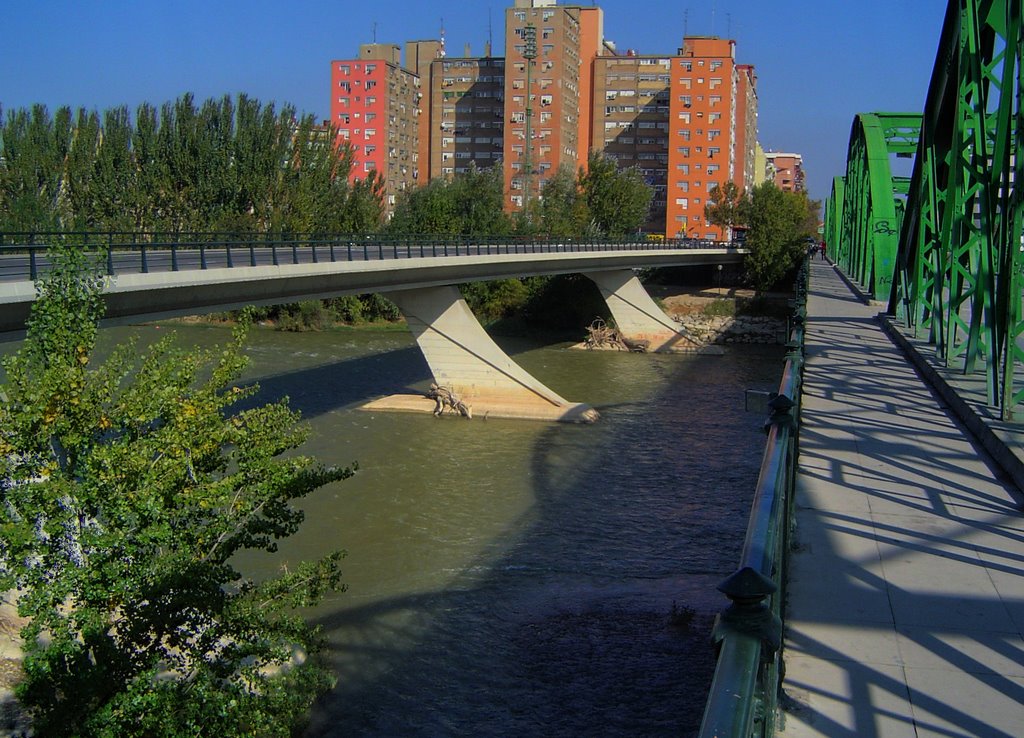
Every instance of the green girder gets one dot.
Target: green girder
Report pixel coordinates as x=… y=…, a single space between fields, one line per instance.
x=958 y=280
x=865 y=211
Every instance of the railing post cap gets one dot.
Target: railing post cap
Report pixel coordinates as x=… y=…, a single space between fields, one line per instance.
x=747 y=586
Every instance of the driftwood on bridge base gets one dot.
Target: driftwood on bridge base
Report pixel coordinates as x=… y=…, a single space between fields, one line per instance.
x=602 y=336
x=447 y=399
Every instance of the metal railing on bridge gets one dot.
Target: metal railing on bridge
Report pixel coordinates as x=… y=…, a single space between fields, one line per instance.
x=24 y=255
x=748 y=633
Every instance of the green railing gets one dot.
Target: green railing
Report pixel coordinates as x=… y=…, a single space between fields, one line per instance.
x=748 y=633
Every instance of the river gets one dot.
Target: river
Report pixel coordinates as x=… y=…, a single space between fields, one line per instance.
x=516 y=578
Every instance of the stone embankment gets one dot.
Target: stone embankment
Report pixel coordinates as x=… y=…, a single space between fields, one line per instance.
x=728 y=329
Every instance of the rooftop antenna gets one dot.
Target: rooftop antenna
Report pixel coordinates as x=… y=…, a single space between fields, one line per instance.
x=442 y=52
x=728 y=25
x=686 y=23
x=490 y=30
x=713 y=7
x=375 y=32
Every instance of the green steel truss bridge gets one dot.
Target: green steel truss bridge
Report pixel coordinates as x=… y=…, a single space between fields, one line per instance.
x=944 y=248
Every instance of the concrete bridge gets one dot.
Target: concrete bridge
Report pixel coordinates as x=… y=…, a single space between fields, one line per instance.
x=147 y=283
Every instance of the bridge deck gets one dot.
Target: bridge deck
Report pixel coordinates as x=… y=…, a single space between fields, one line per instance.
x=906 y=599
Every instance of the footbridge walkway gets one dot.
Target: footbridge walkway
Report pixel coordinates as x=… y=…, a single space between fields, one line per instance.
x=905 y=612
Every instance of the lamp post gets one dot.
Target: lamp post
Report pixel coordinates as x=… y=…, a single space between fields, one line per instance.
x=529 y=54
x=719 y=280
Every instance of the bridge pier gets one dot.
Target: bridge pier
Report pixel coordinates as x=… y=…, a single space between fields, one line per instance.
x=636 y=315
x=462 y=356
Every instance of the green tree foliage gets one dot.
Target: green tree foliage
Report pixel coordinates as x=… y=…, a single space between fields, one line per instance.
x=725 y=206
x=779 y=222
x=469 y=204
x=563 y=211
x=227 y=164
x=127 y=489
x=617 y=199
x=33 y=148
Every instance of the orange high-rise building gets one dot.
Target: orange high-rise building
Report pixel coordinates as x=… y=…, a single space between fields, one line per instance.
x=701 y=149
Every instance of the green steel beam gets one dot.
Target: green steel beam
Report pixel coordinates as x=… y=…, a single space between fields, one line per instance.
x=959 y=276
x=867 y=234
x=834 y=220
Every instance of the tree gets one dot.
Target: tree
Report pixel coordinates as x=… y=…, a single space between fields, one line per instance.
x=125 y=492
x=470 y=204
x=725 y=206
x=563 y=209
x=617 y=199
x=779 y=222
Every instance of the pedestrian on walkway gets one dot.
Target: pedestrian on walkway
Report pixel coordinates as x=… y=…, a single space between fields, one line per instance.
x=822 y=251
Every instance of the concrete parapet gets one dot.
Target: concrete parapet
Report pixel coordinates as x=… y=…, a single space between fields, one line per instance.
x=636 y=315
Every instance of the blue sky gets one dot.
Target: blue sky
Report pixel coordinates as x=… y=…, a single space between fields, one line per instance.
x=819 y=62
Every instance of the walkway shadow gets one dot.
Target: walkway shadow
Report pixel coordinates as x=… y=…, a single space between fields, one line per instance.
x=909 y=581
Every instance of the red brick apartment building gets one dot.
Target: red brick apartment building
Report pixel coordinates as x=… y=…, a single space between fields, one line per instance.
x=787 y=170
x=687 y=121
x=375 y=105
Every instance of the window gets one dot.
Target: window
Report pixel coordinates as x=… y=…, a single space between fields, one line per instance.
x=682 y=202
x=344 y=69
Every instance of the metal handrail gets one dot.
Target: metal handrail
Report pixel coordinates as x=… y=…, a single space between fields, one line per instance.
x=134 y=253
x=744 y=691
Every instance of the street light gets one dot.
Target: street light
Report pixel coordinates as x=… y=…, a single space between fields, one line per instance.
x=529 y=54
x=719 y=281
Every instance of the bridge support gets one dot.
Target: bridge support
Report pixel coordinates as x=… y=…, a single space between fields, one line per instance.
x=462 y=356
x=636 y=315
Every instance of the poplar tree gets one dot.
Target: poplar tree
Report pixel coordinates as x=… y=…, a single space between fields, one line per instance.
x=127 y=487
x=618 y=200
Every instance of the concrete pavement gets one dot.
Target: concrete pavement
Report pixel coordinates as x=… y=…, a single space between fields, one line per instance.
x=905 y=612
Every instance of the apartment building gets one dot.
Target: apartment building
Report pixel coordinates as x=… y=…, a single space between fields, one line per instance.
x=687 y=121
x=702 y=151
x=787 y=170
x=466 y=114
x=549 y=49
x=746 y=127
x=375 y=105
x=631 y=120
